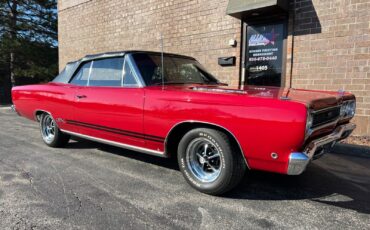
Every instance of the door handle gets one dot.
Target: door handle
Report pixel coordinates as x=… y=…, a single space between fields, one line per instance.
x=81 y=96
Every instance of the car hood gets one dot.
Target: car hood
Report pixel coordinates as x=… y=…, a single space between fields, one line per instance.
x=314 y=99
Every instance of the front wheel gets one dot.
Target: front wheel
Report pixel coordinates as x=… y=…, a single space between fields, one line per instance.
x=209 y=161
x=51 y=134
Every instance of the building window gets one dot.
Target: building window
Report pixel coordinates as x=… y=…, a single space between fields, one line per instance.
x=264 y=53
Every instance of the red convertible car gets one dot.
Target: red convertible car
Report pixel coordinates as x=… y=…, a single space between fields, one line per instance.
x=215 y=131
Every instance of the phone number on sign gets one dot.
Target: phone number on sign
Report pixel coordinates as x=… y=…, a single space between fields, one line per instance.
x=273 y=58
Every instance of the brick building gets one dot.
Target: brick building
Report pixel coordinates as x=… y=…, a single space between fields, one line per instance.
x=312 y=44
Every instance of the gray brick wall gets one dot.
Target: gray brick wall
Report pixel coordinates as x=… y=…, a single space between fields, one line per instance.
x=199 y=28
x=332 y=50
x=331 y=43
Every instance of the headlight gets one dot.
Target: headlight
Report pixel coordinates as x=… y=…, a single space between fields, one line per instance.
x=309 y=122
x=348 y=109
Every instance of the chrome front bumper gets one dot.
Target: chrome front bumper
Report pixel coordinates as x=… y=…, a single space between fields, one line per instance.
x=298 y=161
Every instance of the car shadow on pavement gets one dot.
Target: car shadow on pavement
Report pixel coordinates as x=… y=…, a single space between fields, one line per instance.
x=345 y=187
x=78 y=143
x=348 y=190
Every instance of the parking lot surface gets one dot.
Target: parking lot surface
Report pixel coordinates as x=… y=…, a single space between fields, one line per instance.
x=94 y=186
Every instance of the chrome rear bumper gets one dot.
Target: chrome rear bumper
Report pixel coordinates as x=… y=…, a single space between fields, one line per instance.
x=14 y=109
x=298 y=161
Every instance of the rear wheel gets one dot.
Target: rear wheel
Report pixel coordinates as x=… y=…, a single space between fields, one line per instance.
x=51 y=134
x=209 y=161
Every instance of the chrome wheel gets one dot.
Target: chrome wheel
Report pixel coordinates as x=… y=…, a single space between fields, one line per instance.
x=48 y=129
x=203 y=159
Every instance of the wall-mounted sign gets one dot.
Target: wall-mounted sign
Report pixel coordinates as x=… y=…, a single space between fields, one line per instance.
x=264 y=54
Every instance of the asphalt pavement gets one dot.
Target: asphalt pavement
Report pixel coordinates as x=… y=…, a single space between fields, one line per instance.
x=94 y=186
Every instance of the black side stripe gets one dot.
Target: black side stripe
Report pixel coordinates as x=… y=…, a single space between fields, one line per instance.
x=117 y=131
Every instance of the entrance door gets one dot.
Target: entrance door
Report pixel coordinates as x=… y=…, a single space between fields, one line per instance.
x=264 y=53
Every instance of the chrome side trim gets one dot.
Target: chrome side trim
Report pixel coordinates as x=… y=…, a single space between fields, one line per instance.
x=117 y=144
x=205 y=89
x=206 y=123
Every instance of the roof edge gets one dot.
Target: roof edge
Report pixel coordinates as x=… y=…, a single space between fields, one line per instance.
x=122 y=53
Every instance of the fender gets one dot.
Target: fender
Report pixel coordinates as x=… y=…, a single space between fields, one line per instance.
x=206 y=123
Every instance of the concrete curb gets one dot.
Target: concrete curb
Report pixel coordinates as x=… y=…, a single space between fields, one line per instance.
x=353 y=150
x=5 y=107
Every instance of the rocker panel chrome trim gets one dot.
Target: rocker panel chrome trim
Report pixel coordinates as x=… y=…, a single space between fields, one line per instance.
x=117 y=144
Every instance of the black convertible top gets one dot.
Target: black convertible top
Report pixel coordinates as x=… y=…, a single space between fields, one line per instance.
x=122 y=53
x=70 y=67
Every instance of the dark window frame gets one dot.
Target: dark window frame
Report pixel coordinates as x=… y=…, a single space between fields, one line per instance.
x=126 y=60
x=263 y=20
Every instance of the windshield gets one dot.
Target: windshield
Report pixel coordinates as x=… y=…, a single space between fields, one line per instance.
x=177 y=70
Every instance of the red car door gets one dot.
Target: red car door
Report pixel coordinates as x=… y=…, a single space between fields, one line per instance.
x=109 y=102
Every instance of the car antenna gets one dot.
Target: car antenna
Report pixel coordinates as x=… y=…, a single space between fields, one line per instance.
x=162 y=61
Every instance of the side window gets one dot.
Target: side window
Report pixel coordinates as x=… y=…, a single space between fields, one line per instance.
x=106 y=72
x=81 y=77
x=128 y=76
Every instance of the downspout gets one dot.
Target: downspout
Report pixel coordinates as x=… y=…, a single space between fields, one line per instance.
x=292 y=52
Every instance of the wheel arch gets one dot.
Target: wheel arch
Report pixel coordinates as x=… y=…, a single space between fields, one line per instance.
x=38 y=112
x=180 y=129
